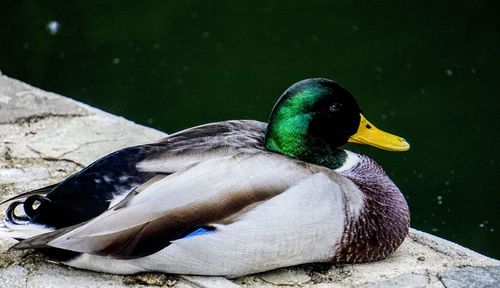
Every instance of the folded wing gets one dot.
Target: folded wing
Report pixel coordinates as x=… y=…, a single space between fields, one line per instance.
x=208 y=192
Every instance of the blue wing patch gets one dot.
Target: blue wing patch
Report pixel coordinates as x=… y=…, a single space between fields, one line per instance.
x=199 y=231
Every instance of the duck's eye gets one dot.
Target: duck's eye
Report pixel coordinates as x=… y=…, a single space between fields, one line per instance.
x=335 y=107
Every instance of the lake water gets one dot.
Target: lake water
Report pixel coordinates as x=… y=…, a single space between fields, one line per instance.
x=426 y=71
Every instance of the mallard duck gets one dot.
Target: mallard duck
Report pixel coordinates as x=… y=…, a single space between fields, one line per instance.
x=228 y=198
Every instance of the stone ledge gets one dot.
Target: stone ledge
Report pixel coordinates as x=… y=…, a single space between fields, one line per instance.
x=46 y=137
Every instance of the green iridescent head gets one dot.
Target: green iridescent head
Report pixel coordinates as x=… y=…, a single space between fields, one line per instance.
x=316 y=116
x=312 y=116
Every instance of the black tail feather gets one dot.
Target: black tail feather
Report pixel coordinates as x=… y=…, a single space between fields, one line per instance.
x=10 y=213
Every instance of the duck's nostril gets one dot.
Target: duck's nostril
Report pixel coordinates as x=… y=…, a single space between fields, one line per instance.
x=368 y=126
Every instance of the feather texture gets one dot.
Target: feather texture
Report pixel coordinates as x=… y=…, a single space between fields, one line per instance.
x=203 y=194
x=302 y=224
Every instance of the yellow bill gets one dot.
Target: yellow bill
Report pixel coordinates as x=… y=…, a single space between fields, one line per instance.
x=368 y=134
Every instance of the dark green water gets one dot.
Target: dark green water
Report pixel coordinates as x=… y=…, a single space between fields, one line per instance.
x=428 y=71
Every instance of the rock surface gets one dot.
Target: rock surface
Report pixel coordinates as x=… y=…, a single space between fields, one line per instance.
x=471 y=277
x=46 y=137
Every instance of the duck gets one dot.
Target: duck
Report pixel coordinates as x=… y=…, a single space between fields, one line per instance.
x=229 y=198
